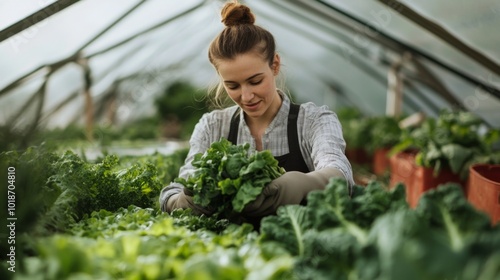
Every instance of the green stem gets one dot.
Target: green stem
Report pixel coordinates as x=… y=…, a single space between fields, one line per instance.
x=297 y=230
x=354 y=229
x=453 y=232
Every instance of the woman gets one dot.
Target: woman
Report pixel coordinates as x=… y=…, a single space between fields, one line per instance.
x=306 y=139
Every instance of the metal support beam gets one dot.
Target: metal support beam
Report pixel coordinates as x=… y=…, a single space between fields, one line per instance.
x=380 y=35
x=35 y=18
x=443 y=34
x=394 y=100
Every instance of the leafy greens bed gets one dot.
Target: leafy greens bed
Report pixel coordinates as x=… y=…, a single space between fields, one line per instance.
x=374 y=235
x=100 y=220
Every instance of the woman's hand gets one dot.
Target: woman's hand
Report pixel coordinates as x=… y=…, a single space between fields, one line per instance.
x=185 y=201
x=291 y=188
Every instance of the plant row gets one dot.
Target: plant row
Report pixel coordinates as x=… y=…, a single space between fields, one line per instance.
x=100 y=220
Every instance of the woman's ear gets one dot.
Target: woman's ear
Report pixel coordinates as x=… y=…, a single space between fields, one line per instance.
x=276 y=64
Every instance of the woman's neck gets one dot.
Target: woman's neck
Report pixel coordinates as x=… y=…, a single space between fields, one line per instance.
x=265 y=119
x=259 y=125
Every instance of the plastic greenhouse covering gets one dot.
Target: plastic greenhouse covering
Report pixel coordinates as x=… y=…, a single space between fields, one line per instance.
x=337 y=53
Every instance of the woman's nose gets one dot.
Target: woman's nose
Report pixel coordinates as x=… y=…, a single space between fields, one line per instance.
x=246 y=93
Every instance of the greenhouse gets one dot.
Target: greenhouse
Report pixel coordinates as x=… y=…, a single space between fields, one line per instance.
x=112 y=164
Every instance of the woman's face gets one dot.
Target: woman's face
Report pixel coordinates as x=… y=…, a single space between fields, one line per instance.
x=250 y=82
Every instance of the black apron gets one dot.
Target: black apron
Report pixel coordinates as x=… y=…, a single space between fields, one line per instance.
x=293 y=161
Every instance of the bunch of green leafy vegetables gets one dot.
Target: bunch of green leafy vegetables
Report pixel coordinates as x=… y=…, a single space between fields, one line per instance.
x=375 y=235
x=227 y=177
x=456 y=139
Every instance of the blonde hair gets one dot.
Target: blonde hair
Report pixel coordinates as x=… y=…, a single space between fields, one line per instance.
x=239 y=36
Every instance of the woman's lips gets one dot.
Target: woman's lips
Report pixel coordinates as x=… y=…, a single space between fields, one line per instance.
x=252 y=106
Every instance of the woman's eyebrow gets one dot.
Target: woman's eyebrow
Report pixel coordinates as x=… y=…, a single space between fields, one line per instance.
x=254 y=76
x=249 y=78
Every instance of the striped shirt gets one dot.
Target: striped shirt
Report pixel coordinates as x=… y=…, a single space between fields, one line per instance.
x=319 y=131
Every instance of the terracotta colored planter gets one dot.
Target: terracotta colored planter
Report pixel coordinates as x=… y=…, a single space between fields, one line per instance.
x=417 y=179
x=484 y=189
x=381 y=161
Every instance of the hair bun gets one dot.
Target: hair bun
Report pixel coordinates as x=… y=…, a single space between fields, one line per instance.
x=234 y=13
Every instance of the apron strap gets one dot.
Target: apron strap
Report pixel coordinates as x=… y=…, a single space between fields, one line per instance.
x=233 y=128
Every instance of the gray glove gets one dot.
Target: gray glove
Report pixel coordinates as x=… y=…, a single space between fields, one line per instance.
x=185 y=201
x=291 y=188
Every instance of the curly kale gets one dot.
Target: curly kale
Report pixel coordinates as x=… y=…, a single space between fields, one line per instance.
x=375 y=235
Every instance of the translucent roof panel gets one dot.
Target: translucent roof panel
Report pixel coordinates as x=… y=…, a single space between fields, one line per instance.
x=136 y=48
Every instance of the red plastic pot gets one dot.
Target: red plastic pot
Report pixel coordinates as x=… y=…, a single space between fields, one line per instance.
x=417 y=179
x=484 y=189
x=381 y=161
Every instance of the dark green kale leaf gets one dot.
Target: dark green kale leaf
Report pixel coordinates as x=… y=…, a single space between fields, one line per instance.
x=287 y=228
x=374 y=200
x=329 y=254
x=446 y=207
x=333 y=208
x=406 y=247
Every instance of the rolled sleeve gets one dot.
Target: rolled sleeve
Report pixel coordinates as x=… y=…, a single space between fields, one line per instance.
x=167 y=192
x=326 y=141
